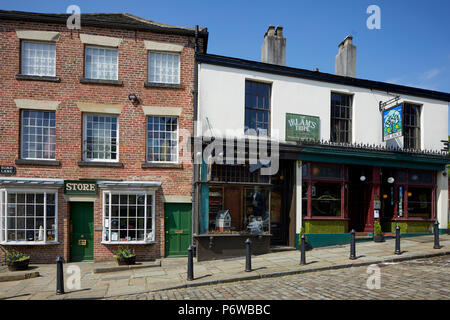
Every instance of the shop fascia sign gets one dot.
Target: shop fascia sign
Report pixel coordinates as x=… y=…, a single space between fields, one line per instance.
x=80 y=187
x=392 y=122
x=302 y=127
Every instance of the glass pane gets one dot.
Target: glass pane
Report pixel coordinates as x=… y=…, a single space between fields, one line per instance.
x=419 y=202
x=326 y=199
x=326 y=171
x=420 y=177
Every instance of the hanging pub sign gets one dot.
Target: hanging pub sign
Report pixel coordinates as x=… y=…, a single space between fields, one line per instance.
x=392 y=122
x=8 y=170
x=302 y=127
x=80 y=187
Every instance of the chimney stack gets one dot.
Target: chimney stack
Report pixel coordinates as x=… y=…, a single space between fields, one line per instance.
x=273 y=49
x=345 y=63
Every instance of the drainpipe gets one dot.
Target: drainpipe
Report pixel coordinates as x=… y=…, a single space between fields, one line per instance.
x=195 y=171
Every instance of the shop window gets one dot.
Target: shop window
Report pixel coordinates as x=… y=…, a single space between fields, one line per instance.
x=100 y=137
x=162 y=139
x=341 y=117
x=237 y=173
x=411 y=126
x=128 y=217
x=326 y=171
x=256 y=209
x=101 y=63
x=420 y=177
x=326 y=199
x=257 y=107
x=28 y=217
x=38 y=58
x=419 y=202
x=38 y=138
x=164 y=67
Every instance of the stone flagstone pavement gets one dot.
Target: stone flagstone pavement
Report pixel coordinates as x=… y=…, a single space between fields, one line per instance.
x=171 y=273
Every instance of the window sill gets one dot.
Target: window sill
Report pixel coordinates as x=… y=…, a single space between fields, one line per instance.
x=102 y=81
x=128 y=242
x=99 y=164
x=145 y=165
x=25 y=243
x=37 y=78
x=325 y=218
x=38 y=162
x=163 y=85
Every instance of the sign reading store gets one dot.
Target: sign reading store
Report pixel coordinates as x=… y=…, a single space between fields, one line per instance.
x=80 y=187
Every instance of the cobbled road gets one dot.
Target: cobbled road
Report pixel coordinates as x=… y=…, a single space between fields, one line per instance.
x=416 y=279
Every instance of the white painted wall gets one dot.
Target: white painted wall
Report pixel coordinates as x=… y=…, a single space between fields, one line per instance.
x=222 y=96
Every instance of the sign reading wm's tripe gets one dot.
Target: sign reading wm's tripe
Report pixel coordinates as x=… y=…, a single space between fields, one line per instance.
x=79 y=187
x=301 y=127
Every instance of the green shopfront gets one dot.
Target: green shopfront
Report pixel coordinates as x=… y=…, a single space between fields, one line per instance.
x=344 y=187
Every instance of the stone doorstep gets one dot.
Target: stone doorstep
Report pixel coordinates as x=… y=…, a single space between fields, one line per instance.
x=125 y=268
x=15 y=275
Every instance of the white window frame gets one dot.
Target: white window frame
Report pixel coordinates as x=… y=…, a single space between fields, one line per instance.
x=22 y=58
x=4 y=220
x=109 y=193
x=85 y=158
x=102 y=48
x=168 y=53
x=178 y=139
x=22 y=147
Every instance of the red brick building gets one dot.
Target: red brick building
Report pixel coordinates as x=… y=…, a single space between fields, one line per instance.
x=91 y=126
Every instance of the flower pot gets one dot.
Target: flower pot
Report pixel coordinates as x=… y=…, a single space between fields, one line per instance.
x=126 y=261
x=378 y=238
x=18 y=265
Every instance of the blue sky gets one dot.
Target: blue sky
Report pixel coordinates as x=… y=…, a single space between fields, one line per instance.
x=412 y=47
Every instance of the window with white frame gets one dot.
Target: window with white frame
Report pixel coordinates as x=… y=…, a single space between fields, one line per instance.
x=28 y=216
x=128 y=216
x=100 y=137
x=164 y=67
x=38 y=135
x=101 y=63
x=38 y=58
x=162 y=139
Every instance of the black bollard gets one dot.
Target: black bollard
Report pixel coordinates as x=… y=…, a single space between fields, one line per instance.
x=397 y=240
x=190 y=267
x=302 y=251
x=248 y=256
x=59 y=275
x=352 y=245
x=436 y=235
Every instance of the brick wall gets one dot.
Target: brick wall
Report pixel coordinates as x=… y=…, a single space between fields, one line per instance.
x=132 y=71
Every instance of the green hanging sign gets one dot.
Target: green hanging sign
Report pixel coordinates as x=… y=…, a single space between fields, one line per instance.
x=80 y=187
x=302 y=127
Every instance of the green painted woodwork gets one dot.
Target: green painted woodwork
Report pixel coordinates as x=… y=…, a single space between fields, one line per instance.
x=371 y=158
x=408 y=227
x=82 y=221
x=326 y=226
x=178 y=230
x=317 y=240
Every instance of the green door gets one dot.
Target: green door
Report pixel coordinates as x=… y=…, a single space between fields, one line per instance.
x=82 y=235
x=178 y=230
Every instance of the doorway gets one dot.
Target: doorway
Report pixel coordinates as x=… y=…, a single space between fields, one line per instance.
x=178 y=230
x=82 y=231
x=359 y=196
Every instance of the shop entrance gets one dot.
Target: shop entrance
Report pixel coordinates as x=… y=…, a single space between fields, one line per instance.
x=359 y=196
x=82 y=231
x=282 y=205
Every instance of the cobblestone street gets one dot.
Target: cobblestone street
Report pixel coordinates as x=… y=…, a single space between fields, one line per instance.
x=416 y=279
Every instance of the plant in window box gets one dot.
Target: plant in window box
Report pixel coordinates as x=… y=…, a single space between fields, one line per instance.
x=17 y=261
x=125 y=256
x=378 y=235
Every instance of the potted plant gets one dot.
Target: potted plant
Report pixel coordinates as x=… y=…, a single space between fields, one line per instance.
x=378 y=235
x=125 y=256
x=17 y=261
x=307 y=245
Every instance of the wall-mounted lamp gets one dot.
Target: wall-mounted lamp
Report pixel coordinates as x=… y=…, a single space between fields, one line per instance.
x=362 y=178
x=133 y=98
x=390 y=180
x=444 y=173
